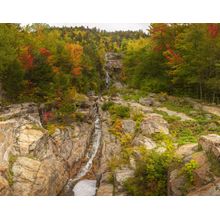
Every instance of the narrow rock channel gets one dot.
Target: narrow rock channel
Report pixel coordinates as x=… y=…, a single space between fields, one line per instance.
x=87 y=187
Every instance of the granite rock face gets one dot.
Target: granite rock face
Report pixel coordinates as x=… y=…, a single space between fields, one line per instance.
x=154 y=123
x=211 y=143
x=33 y=162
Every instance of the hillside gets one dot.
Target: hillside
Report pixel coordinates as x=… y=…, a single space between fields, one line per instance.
x=88 y=112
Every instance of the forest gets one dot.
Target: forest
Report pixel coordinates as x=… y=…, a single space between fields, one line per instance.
x=41 y=63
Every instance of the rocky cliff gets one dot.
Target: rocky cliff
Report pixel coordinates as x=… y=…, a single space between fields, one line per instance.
x=33 y=162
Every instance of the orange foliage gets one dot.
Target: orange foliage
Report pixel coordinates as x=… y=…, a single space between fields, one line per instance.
x=44 y=52
x=171 y=56
x=26 y=58
x=76 y=70
x=75 y=52
x=55 y=69
x=158 y=30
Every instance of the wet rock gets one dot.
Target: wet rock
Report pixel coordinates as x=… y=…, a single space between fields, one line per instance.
x=211 y=143
x=154 y=123
x=85 y=188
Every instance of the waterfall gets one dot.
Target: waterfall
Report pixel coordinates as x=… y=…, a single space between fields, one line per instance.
x=96 y=142
x=107 y=79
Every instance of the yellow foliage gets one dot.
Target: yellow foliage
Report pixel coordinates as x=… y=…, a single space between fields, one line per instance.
x=137 y=44
x=75 y=53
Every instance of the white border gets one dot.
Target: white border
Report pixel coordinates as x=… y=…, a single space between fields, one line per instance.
x=109 y=11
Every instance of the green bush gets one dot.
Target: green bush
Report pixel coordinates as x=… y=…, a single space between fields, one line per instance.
x=116 y=110
x=151 y=174
x=107 y=105
x=119 y=111
x=188 y=171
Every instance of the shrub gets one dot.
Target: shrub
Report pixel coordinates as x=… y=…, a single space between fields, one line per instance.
x=119 y=111
x=188 y=171
x=138 y=118
x=107 y=105
x=151 y=174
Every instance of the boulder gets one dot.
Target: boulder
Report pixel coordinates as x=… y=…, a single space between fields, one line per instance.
x=211 y=189
x=128 y=126
x=175 y=183
x=178 y=183
x=202 y=173
x=211 y=143
x=141 y=140
x=146 y=101
x=187 y=150
x=154 y=123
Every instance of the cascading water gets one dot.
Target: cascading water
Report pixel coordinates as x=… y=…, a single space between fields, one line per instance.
x=107 y=79
x=96 y=142
x=88 y=187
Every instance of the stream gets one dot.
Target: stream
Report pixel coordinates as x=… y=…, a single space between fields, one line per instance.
x=96 y=142
x=87 y=187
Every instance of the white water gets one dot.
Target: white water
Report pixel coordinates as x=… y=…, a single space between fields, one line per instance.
x=107 y=79
x=96 y=142
x=85 y=188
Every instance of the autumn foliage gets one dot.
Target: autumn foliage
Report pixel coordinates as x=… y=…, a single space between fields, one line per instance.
x=44 y=52
x=75 y=53
x=27 y=58
x=213 y=30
